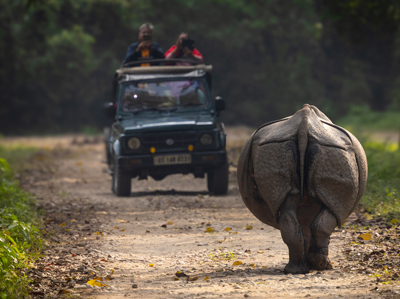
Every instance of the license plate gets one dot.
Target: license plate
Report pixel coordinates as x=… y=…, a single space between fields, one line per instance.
x=172 y=159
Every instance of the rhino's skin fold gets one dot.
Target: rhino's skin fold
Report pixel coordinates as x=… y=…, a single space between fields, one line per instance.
x=303 y=175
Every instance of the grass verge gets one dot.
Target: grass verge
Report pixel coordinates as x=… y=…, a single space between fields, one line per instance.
x=363 y=118
x=381 y=197
x=20 y=241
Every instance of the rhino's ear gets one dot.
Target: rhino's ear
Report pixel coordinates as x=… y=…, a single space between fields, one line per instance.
x=319 y=113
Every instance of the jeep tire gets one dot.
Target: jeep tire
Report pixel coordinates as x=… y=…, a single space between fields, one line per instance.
x=121 y=182
x=218 y=180
x=107 y=134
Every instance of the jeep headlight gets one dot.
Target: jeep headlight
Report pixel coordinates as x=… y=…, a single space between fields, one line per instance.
x=206 y=139
x=134 y=143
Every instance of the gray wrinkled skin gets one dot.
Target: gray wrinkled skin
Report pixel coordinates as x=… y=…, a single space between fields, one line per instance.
x=303 y=175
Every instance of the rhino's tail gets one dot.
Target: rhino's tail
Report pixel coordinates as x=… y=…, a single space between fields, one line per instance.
x=302 y=141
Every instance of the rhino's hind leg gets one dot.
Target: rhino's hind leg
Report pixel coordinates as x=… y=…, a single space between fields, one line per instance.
x=292 y=235
x=321 y=228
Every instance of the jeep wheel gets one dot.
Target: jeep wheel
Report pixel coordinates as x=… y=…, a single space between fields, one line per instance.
x=218 y=179
x=107 y=134
x=121 y=182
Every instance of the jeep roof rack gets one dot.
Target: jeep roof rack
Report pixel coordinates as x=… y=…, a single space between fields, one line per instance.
x=165 y=66
x=172 y=61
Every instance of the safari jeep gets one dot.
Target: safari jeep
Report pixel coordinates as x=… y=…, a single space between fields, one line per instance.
x=166 y=122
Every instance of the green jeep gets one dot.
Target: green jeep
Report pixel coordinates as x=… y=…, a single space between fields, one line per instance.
x=166 y=122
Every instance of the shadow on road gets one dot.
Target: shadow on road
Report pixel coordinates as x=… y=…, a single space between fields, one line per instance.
x=168 y=192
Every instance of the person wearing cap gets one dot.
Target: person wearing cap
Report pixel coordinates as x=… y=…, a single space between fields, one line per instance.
x=178 y=51
x=145 y=48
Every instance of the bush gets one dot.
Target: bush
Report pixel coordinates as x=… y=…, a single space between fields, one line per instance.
x=20 y=241
x=382 y=194
x=362 y=118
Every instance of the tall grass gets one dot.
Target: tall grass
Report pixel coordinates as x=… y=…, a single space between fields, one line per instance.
x=382 y=194
x=20 y=240
x=383 y=187
x=18 y=157
x=362 y=118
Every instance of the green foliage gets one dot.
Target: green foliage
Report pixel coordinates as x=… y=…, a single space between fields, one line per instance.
x=89 y=130
x=363 y=118
x=382 y=193
x=363 y=33
x=270 y=57
x=19 y=237
x=17 y=156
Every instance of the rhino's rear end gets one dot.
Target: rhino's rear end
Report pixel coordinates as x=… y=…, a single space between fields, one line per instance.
x=304 y=155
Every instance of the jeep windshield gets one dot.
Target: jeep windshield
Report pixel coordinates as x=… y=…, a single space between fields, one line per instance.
x=164 y=95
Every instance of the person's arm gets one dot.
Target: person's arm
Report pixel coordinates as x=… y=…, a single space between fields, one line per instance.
x=131 y=53
x=195 y=54
x=172 y=52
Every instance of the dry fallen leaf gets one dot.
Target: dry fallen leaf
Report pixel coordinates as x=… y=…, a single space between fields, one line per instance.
x=367 y=216
x=180 y=274
x=192 y=278
x=72 y=220
x=260 y=252
x=249 y=227
x=94 y=282
x=98 y=278
x=122 y=230
x=264 y=267
x=206 y=278
x=170 y=223
x=151 y=265
x=237 y=263
x=147 y=231
x=365 y=237
x=209 y=229
x=115 y=227
x=227 y=229
x=122 y=221
x=63 y=224
x=176 y=278
x=63 y=292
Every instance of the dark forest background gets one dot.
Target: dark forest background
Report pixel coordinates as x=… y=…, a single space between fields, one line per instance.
x=57 y=58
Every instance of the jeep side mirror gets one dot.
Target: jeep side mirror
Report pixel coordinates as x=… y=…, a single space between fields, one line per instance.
x=219 y=104
x=110 y=110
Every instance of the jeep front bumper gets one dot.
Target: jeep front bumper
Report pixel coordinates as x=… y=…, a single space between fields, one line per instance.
x=200 y=163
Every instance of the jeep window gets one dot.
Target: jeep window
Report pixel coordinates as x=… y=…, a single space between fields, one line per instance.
x=166 y=95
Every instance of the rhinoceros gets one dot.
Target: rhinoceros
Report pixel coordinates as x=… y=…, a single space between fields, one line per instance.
x=303 y=175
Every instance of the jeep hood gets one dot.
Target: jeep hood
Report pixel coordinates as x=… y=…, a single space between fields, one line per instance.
x=168 y=123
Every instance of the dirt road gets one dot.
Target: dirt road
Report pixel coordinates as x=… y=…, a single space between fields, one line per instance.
x=137 y=245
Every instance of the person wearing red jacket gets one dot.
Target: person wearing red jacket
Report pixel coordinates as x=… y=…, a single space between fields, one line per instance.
x=177 y=51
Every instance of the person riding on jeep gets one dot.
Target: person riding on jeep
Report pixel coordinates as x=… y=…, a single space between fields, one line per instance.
x=144 y=49
x=183 y=50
